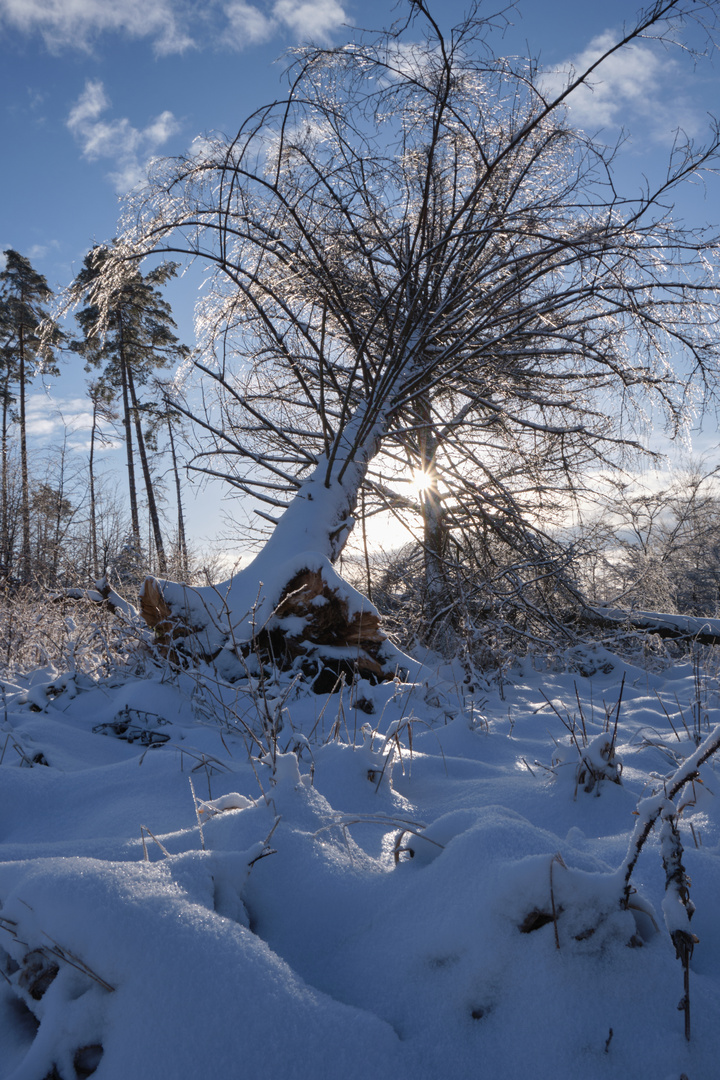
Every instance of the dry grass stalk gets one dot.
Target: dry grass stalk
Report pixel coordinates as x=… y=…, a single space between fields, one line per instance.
x=144 y=829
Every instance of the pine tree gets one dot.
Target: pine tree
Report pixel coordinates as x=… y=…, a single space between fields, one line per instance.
x=26 y=352
x=135 y=338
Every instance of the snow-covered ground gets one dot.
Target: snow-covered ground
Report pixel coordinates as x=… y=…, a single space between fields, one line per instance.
x=412 y=882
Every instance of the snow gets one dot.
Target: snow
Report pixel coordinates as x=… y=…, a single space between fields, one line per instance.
x=404 y=880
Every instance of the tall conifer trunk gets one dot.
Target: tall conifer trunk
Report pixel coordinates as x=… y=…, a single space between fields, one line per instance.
x=132 y=486
x=93 y=517
x=149 y=488
x=182 y=542
x=25 y=556
x=5 y=541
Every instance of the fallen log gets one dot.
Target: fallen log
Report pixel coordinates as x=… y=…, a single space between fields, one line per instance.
x=102 y=594
x=665 y=625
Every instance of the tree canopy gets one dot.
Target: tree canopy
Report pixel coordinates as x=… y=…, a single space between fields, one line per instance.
x=416 y=262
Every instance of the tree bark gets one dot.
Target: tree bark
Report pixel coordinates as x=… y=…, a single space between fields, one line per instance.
x=142 y=450
x=58 y=517
x=5 y=543
x=132 y=488
x=671 y=627
x=25 y=557
x=93 y=520
x=182 y=542
x=289 y=601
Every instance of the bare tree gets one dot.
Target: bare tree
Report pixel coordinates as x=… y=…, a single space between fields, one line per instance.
x=657 y=548
x=417 y=263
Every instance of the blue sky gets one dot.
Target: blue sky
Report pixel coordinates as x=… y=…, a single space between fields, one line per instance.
x=93 y=89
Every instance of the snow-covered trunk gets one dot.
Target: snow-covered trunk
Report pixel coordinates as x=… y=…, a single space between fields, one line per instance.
x=289 y=604
x=320 y=516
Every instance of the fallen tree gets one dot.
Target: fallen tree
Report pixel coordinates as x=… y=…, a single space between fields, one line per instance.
x=664 y=624
x=415 y=263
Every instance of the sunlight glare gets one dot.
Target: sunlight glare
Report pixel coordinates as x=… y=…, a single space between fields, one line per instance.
x=421 y=482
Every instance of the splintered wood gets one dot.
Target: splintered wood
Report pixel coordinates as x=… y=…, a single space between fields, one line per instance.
x=325 y=623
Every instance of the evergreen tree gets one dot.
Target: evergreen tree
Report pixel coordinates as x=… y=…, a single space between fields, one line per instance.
x=134 y=338
x=26 y=352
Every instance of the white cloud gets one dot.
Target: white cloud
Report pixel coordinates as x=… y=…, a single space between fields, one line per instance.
x=50 y=419
x=314 y=19
x=89 y=106
x=46 y=416
x=41 y=251
x=76 y=23
x=638 y=85
x=249 y=24
x=130 y=148
x=34 y=253
x=172 y=25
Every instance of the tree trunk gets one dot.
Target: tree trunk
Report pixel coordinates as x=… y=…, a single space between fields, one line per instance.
x=688 y=628
x=93 y=520
x=59 y=516
x=434 y=529
x=5 y=544
x=152 y=505
x=182 y=543
x=132 y=488
x=25 y=557
x=289 y=602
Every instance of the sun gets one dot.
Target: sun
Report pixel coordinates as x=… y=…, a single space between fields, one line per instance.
x=422 y=482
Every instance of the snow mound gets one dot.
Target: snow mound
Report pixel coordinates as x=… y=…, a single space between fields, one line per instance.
x=397 y=880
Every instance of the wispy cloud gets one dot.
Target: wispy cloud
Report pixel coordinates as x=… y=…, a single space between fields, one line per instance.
x=171 y=25
x=246 y=25
x=314 y=19
x=640 y=87
x=130 y=148
x=51 y=418
x=48 y=416
x=41 y=251
x=77 y=23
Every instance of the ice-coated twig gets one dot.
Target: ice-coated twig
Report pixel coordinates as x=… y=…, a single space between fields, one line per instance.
x=678 y=908
x=650 y=809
